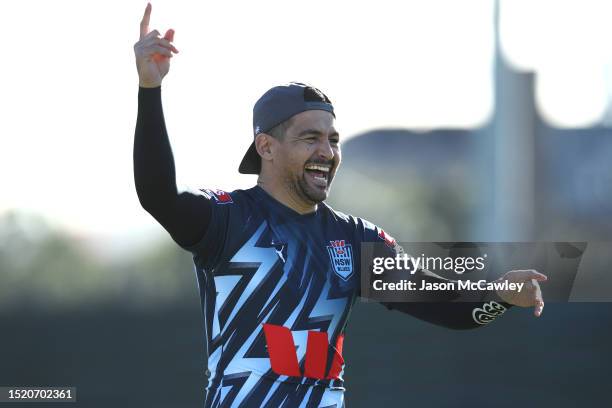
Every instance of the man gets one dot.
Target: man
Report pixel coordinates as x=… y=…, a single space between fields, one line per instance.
x=274 y=302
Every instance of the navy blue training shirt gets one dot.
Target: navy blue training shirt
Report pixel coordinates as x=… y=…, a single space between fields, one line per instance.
x=276 y=286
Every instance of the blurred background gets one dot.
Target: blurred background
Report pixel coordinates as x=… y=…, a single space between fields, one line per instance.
x=460 y=121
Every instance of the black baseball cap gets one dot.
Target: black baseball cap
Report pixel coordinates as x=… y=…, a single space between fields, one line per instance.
x=274 y=107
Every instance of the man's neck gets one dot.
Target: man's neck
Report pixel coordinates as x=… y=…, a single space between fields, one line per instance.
x=286 y=198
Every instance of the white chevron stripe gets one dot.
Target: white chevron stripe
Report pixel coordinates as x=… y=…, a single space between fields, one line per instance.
x=249 y=253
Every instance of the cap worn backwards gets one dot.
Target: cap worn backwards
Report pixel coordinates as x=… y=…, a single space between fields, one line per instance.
x=277 y=105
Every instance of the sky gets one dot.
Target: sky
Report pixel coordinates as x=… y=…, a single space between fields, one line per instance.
x=69 y=98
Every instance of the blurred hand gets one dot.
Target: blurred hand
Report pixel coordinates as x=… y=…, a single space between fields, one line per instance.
x=530 y=295
x=153 y=53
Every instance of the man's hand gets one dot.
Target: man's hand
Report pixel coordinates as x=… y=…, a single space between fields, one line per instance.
x=530 y=295
x=153 y=53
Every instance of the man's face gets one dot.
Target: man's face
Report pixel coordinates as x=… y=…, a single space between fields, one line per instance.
x=309 y=155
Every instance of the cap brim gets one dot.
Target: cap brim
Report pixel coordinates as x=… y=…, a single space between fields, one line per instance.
x=251 y=162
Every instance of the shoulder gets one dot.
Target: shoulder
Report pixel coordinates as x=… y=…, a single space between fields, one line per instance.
x=232 y=208
x=231 y=222
x=364 y=229
x=221 y=197
x=229 y=199
x=338 y=216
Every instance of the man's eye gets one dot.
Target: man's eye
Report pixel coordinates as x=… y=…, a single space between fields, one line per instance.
x=334 y=141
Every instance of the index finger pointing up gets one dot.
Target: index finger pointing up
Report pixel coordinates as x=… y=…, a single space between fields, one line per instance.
x=144 y=23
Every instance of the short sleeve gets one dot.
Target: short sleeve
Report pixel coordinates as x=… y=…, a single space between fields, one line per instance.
x=224 y=212
x=384 y=245
x=371 y=233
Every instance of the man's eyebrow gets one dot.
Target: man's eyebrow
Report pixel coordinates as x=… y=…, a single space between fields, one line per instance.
x=316 y=132
x=310 y=132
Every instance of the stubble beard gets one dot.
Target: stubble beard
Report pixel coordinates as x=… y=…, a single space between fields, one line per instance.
x=300 y=187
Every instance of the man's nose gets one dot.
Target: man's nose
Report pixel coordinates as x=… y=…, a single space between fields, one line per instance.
x=325 y=150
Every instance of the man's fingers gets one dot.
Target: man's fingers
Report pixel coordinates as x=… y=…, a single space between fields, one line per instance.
x=148 y=40
x=538 y=276
x=539 y=307
x=144 y=23
x=169 y=35
x=153 y=34
x=158 y=49
x=539 y=301
x=158 y=42
x=530 y=274
x=166 y=43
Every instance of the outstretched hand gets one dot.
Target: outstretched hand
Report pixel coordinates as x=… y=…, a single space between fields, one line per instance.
x=529 y=295
x=153 y=53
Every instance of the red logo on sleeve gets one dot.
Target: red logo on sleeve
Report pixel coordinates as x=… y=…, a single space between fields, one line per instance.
x=223 y=197
x=220 y=196
x=389 y=240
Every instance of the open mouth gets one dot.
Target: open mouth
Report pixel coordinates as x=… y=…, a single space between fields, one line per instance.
x=318 y=173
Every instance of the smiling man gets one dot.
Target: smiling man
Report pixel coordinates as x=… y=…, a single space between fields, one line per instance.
x=278 y=269
x=296 y=150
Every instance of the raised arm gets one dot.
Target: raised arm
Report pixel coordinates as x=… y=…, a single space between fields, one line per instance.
x=184 y=215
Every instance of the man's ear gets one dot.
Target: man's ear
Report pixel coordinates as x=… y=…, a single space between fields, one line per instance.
x=264 y=145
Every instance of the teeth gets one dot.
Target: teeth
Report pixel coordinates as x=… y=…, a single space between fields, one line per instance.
x=319 y=168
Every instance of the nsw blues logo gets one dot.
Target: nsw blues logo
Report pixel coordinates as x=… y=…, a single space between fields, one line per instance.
x=220 y=196
x=341 y=257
